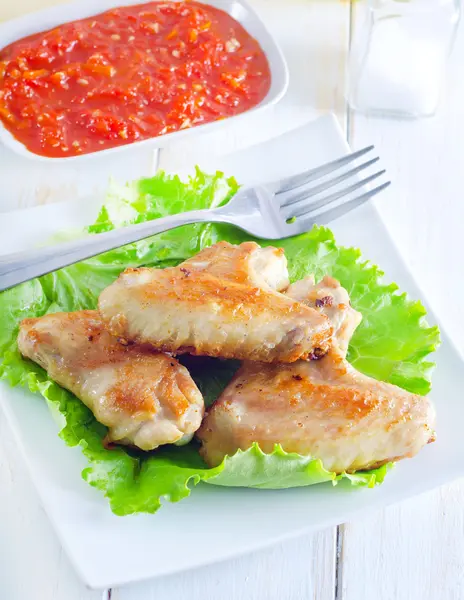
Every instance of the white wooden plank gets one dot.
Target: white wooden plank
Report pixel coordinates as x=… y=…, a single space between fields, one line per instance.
x=32 y=563
x=413 y=551
x=416 y=550
x=294 y=570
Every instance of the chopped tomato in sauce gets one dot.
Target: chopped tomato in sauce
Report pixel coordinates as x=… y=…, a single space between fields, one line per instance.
x=128 y=74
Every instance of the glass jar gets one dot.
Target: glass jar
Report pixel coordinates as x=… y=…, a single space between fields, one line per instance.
x=398 y=56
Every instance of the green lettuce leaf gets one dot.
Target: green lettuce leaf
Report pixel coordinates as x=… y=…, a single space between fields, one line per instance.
x=280 y=470
x=391 y=344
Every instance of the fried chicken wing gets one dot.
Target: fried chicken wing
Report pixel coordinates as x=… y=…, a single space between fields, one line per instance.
x=145 y=398
x=222 y=302
x=322 y=408
x=331 y=299
x=248 y=264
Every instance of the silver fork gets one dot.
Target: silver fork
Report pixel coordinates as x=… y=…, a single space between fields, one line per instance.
x=275 y=210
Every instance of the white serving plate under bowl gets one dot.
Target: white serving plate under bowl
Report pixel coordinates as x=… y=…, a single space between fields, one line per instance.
x=216 y=523
x=240 y=10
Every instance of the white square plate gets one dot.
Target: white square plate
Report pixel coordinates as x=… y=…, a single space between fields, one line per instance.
x=217 y=523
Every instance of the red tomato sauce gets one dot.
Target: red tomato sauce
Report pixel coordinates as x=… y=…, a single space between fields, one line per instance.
x=128 y=74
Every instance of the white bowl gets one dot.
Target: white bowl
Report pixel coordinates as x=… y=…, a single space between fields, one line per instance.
x=43 y=20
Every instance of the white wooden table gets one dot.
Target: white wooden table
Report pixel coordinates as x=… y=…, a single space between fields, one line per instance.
x=414 y=551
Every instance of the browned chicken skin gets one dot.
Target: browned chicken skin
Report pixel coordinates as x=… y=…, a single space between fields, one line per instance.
x=331 y=299
x=145 y=398
x=323 y=408
x=222 y=302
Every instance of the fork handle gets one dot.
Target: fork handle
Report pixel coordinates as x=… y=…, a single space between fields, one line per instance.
x=23 y=266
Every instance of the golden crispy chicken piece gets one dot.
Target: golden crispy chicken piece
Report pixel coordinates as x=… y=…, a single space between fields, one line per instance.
x=322 y=408
x=145 y=398
x=246 y=264
x=222 y=302
x=331 y=299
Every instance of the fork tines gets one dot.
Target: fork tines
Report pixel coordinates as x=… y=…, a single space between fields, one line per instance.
x=307 y=201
